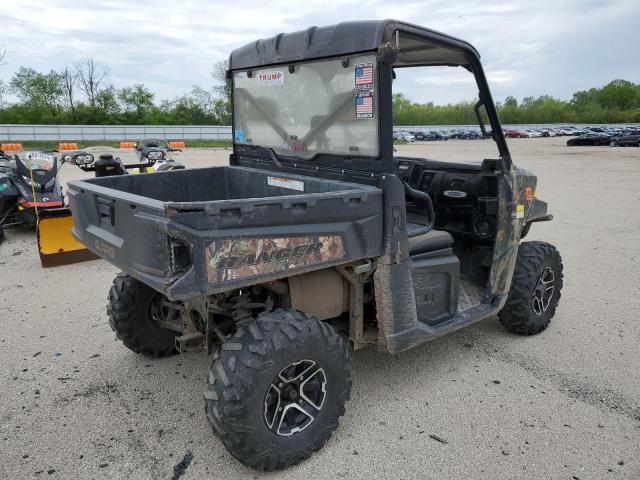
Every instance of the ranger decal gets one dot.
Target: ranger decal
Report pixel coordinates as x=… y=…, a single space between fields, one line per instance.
x=232 y=259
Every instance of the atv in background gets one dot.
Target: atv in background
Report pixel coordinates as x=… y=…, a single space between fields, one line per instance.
x=29 y=188
x=56 y=245
x=107 y=165
x=157 y=151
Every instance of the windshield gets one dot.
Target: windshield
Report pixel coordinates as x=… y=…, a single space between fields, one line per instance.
x=322 y=107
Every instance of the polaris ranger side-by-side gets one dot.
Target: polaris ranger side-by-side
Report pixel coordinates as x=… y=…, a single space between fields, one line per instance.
x=316 y=238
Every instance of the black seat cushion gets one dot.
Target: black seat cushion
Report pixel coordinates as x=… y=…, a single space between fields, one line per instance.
x=430 y=241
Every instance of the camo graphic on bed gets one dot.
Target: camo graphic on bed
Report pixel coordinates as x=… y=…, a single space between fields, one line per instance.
x=235 y=258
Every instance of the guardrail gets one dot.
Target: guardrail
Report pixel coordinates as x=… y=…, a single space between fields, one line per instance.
x=62 y=133
x=65 y=133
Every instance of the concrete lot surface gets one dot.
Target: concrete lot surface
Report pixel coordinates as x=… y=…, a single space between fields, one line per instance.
x=565 y=404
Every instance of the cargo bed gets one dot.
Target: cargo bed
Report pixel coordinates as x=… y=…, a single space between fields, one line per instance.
x=201 y=231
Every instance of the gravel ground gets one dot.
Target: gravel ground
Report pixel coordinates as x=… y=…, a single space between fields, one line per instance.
x=565 y=404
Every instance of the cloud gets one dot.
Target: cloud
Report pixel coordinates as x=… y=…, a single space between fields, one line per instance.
x=528 y=48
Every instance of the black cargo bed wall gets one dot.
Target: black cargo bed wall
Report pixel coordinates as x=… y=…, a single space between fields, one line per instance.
x=253 y=183
x=216 y=183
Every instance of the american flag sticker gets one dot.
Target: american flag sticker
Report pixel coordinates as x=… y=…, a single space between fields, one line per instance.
x=364 y=75
x=364 y=105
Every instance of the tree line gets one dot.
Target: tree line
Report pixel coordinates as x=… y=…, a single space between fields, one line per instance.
x=81 y=94
x=616 y=102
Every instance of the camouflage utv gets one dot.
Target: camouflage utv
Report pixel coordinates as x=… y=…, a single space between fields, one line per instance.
x=316 y=239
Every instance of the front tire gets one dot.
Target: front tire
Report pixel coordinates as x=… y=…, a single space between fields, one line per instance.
x=613 y=143
x=277 y=388
x=131 y=309
x=535 y=289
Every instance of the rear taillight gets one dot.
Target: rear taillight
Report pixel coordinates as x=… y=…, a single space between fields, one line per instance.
x=179 y=255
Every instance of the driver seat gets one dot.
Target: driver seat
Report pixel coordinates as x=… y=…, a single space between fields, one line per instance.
x=434 y=243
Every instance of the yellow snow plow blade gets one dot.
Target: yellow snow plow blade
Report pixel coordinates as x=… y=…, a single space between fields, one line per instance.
x=56 y=245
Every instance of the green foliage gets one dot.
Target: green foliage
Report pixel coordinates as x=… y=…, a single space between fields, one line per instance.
x=40 y=93
x=223 y=89
x=82 y=95
x=136 y=101
x=616 y=102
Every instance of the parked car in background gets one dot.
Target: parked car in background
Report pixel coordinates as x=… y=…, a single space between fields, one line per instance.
x=469 y=135
x=593 y=138
x=426 y=135
x=516 y=134
x=432 y=135
x=406 y=136
x=626 y=139
x=510 y=133
x=589 y=135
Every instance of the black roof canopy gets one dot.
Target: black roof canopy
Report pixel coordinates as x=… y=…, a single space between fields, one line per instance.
x=417 y=45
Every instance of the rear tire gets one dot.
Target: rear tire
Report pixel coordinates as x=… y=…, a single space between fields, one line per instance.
x=129 y=311
x=2 y=236
x=613 y=143
x=535 y=289
x=256 y=383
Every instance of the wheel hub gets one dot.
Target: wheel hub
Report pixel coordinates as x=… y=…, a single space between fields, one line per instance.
x=295 y=397
x=543 y=291
x=290 y=393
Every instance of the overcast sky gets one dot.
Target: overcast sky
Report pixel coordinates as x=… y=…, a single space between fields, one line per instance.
x=528 y=47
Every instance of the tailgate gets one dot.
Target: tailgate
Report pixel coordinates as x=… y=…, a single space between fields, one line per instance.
x=187 y=249
x=124 y=229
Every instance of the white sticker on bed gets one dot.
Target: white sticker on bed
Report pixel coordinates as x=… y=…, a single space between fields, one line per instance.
x=286 y=183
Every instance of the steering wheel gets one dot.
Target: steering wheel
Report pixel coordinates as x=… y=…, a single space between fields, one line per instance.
x=412 y=192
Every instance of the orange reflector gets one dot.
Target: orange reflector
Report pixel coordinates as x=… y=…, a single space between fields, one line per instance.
x=529 y=193
x=127 y=144
x=11 y=147
x=67 y=146
x=180 y=144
